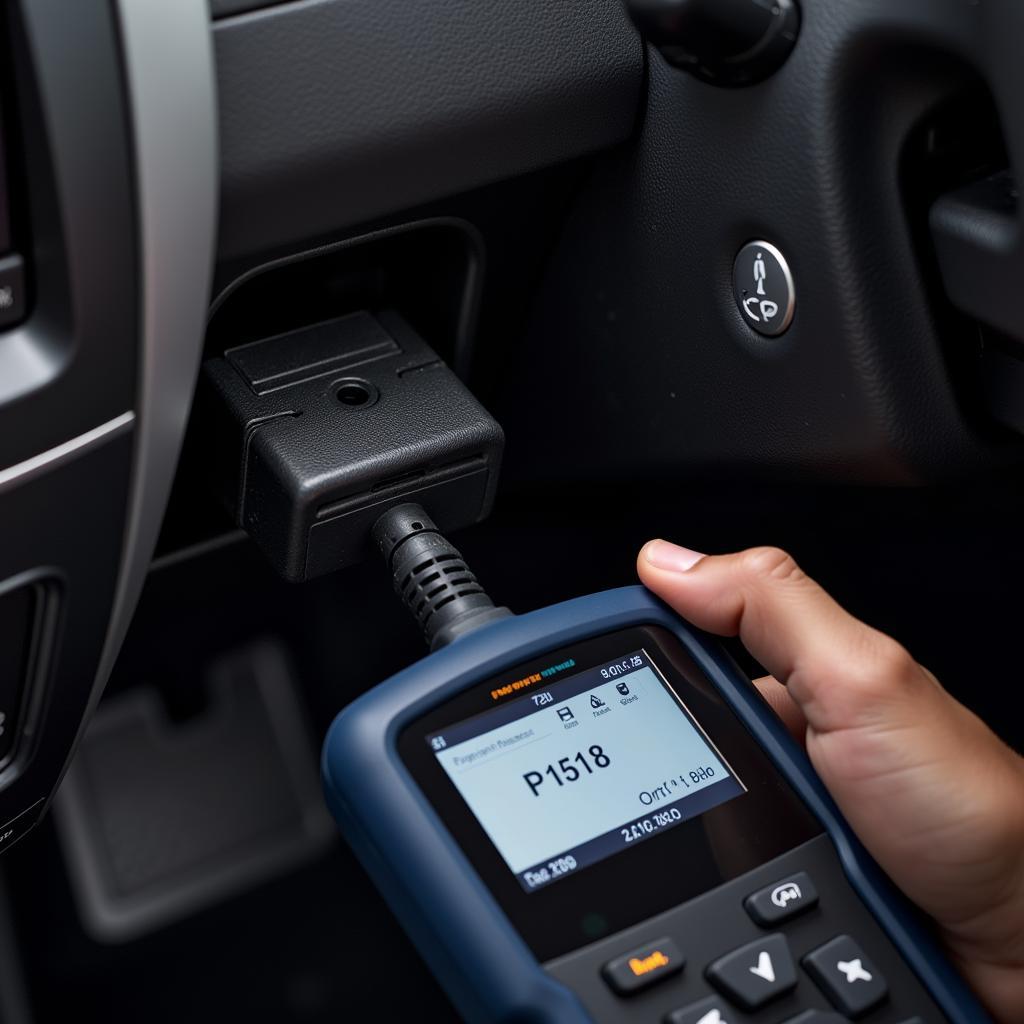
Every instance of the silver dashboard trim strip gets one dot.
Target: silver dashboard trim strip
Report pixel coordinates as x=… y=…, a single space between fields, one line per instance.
x=22 y=472
x=169 y=73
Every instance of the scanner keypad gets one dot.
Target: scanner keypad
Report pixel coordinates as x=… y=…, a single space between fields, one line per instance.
x=813 y=955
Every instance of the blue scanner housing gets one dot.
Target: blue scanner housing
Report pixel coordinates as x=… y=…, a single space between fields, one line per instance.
x=469 y=944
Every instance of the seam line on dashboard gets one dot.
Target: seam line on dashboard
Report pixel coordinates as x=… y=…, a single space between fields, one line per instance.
x=38 y=464
x=260 y=9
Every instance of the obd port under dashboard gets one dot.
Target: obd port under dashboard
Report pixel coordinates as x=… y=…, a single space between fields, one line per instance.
x=318 y=431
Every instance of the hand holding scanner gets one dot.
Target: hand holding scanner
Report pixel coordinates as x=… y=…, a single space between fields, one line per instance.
x=587 y=813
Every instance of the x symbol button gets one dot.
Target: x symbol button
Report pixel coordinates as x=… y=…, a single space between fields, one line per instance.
x=853 y=970
x=844 y=972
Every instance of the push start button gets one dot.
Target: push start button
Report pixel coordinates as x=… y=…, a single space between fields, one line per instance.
x=763 y=286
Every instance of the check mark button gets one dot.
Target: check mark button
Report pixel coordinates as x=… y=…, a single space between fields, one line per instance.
x=755 y=974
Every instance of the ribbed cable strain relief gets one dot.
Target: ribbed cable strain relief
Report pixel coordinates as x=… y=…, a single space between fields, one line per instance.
x=431 y=576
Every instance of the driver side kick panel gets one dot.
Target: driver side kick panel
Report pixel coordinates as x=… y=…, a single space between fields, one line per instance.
x=68 y=373
x=96 y=379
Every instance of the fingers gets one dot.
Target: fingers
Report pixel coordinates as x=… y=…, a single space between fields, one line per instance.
x=841 y=672
x=783 y=705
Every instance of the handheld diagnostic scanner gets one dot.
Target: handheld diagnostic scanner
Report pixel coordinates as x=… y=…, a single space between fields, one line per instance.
x=588 y=813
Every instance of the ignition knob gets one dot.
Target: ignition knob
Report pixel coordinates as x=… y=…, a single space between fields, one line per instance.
x=725 y=42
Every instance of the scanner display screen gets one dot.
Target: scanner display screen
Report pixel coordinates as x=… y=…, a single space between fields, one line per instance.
x=583 y=765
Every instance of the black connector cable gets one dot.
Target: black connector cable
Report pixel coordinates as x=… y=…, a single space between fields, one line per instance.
x=431 y=577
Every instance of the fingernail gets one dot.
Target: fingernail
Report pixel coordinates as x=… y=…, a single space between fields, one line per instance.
x=663 y=555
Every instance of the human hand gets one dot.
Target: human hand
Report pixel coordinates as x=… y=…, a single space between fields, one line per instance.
x=932 y=792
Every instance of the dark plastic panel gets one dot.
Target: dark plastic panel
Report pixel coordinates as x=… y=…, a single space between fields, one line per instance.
x=68 y=372
x=638 y=360
x=27 y=608
x=978 y=231
x=5 y=219
x=338 y=112
x=979 y=245
x=64 y=526
x=70 y=367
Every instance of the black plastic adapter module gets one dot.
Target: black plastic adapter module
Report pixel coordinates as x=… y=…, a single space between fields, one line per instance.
x=317 y=432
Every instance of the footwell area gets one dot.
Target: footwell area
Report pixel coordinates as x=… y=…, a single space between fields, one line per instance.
x=305 y=942
x=159 y=819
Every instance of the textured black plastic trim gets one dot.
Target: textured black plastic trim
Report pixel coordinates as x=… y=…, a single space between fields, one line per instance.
x=980 y=246
x=338 y=112
x=71 y=365
x=65 y=524
x=46 y=587
x=637 y=309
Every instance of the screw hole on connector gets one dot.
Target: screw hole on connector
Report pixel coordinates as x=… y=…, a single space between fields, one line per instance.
x=417 y=526
x=355 y=393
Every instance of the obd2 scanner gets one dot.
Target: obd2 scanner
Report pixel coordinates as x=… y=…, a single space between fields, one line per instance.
x=588 y=813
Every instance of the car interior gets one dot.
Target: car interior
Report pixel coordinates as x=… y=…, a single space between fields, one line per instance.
x=571 y=275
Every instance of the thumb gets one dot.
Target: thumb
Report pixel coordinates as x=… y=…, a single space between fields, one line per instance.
x=793 y=628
